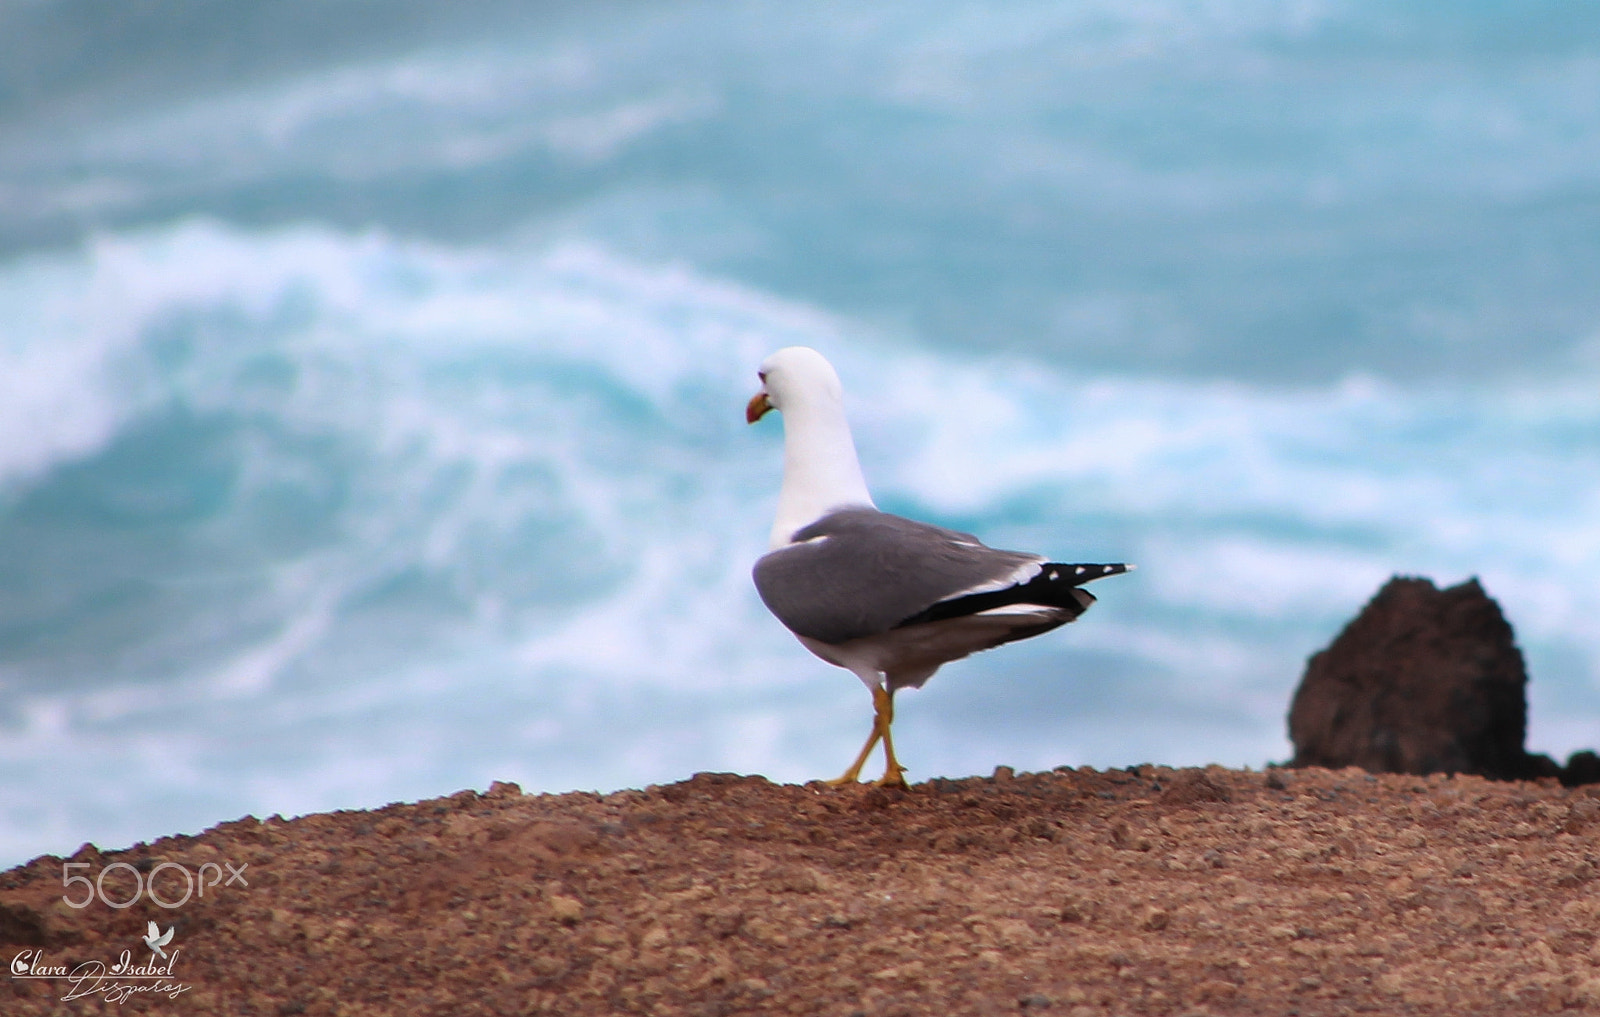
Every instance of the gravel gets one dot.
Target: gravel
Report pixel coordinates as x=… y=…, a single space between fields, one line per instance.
x=1075 y=892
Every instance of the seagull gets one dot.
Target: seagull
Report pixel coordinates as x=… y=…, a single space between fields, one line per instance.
x=887 y=598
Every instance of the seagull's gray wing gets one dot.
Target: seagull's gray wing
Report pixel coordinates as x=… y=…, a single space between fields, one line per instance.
x=859 y=572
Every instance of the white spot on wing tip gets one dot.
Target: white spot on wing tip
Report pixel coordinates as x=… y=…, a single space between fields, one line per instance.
x=1078 y=571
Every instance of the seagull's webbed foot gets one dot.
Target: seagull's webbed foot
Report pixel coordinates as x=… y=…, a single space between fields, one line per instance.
x=893 y=776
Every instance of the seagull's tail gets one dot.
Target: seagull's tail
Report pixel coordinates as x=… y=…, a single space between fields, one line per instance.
x=1056 y=586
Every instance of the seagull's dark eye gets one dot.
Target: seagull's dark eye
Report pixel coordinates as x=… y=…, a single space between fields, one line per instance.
x=762 y=375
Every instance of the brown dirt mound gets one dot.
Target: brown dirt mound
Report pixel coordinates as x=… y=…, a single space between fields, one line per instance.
x=1154 y=891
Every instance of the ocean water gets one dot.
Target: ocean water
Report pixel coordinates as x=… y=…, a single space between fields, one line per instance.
x=372 y=379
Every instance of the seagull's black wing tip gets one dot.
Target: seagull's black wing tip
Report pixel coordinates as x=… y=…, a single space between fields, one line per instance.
x=1056 y=585
x=1078 y=573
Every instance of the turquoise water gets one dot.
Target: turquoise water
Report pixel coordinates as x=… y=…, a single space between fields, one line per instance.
x=371 y=383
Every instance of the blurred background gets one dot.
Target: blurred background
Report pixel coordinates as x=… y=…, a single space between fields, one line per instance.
x=372 y=376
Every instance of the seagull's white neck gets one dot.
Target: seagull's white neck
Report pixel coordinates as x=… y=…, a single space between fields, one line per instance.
x=820 y=469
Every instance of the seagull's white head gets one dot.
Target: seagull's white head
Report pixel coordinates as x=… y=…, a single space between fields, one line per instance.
x=790 y=376
x=820 y=471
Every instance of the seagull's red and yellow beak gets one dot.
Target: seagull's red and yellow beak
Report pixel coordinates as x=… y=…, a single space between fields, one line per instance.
x=758 y=407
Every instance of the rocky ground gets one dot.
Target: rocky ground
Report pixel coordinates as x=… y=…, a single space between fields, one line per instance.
x=1153 y=891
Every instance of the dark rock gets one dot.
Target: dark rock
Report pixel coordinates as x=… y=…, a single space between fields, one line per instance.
x=1422 y=681
x=1541 y=765
x=1582 y=768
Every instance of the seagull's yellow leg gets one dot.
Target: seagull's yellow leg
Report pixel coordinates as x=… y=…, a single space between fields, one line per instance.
x=853 y=774
x=883 y=716
x=893 y=772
